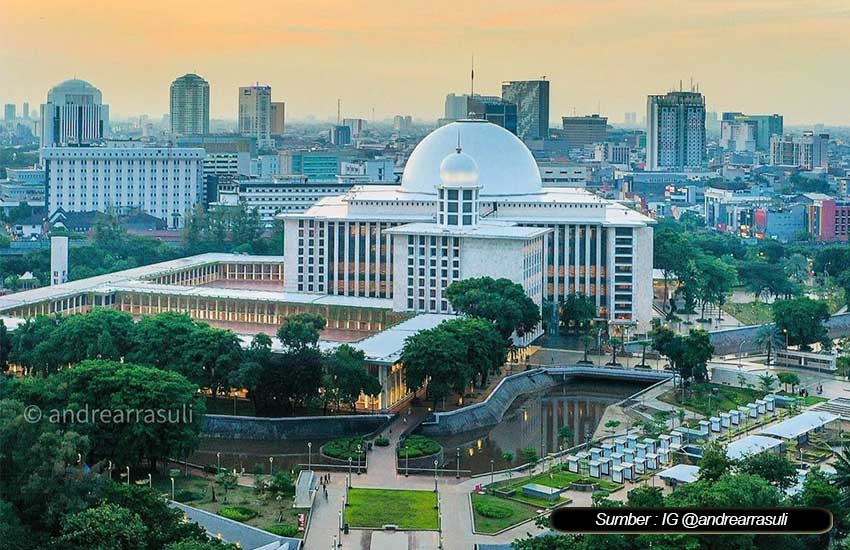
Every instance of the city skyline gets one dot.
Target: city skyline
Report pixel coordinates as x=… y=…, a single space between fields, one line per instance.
x=405 y=60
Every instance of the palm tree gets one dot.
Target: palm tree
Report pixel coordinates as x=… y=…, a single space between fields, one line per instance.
x=842 y=473
x=768 y=337
x=797 y=267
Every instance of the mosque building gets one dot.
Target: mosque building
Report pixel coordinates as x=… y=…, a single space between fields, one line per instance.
x=471 y=203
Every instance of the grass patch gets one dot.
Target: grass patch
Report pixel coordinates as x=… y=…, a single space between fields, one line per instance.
x=345 y=448
x=238 y=513
x=418 y=445
x=198 y=493
x=516 y=513
x=374 y=508
x=750 y=313
x=705 y=400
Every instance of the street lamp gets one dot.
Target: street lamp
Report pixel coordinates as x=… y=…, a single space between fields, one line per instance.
x=349 y=472
x=128 y=475
x=435 y=474
x=271 y=466
x=406 y=460
x=785 y=332
x=218 y=461
x=110 y=470
x=309 y=456
x=457 y=473
x=491 y=470
x=172 y=488
x=359 y=453
x=150 y=481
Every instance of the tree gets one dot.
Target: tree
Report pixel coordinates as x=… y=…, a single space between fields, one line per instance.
x=615 y=342
x=301 y=331
x=153 y=414
x=346 y=377
x=227 y=481
x=766 y=382
x=771 y=250
x=437 y=357
x=788 y=379
x=669 y=255
x=5 y=347
x=645 y=497
x=105 y=527
x=775 y=468
x=714 y=281
x=797 y=268
x=501 y=301
x=577 y=312
x=818 y=492
x=714 y=462
x=802 y=320
x=768 y=338
x=566 y=435
x=486 y=350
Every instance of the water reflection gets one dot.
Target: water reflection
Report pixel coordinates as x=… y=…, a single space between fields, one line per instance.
x=536 y=422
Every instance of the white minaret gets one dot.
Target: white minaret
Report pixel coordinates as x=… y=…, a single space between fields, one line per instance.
x=58 y=260
x=458 y=191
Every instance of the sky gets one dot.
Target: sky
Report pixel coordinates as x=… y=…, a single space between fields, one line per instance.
x=403 y=56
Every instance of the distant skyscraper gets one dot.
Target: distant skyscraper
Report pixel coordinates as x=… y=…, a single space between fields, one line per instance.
x=631 y=119
x=402 y=123
x=74 y=115
x=341 y=135
x=190 y=106
x=356 y=125
x=255 y=108
x=762 y=128
x=675 y=131
x=486 y=107
x=9 y=112
x=532 y=100
x=26 y=112
x=585 y=130
x=278 y=116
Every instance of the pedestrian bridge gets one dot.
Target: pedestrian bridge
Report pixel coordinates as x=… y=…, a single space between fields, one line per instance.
x=610 y=372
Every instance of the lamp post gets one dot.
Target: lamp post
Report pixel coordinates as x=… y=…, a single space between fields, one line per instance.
x=359 y=453
x=492 y=470
x=128 y=475
x=349 y=472
x=785 y=332
x=406 y=460
x=435 y=474
x=457 y=473
x=309 y=456
x=218 y=461
x=110 y=470
x=150 y=481
x=172 y=488
x=271 y=465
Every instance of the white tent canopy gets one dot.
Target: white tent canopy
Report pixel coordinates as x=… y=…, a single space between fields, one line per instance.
x=799 y=425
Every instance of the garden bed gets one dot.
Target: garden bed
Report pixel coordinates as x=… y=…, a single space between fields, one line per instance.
x=510 y=513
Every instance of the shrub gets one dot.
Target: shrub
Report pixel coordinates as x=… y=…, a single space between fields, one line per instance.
x=382 y=442
x=283 y=530
x=493 y=510
x=211 y=469
x=344 y=448
x=529 y=454
x=418 y=445
x=186 y=495
x=238 y=513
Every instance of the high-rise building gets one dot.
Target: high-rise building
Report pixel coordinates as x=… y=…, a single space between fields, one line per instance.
x=165 y=182
x=255 y=110
x=356 y=125
x=631 y=119
x=74 y=115
x=278 y=115
x=26 y=112
x=584 y=130
x=808 y=152
x=675 y=131
x=341 y=135
x=491 y=108
x=9 y=112
x=761 y=129
x=402 y=123
x=532 y=101
x=190 y=106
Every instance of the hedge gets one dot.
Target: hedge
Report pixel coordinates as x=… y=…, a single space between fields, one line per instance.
x=238 y=513
x=418 y=445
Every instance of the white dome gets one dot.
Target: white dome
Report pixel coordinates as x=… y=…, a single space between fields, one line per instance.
x=74 y=91
x=505 y=165
x=459 y=170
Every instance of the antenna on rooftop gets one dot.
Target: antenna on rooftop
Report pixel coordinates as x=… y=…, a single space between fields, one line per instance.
x=472 y=77
x=459 y=149
x=338 y=101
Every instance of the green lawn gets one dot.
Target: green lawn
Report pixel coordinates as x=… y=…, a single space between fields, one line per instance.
x=487 y=525
x=374 y=508
x=199 y=489
x=751 y=313
x=704 y=401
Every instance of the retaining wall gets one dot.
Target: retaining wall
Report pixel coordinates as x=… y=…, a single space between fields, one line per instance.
x=302 y=427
